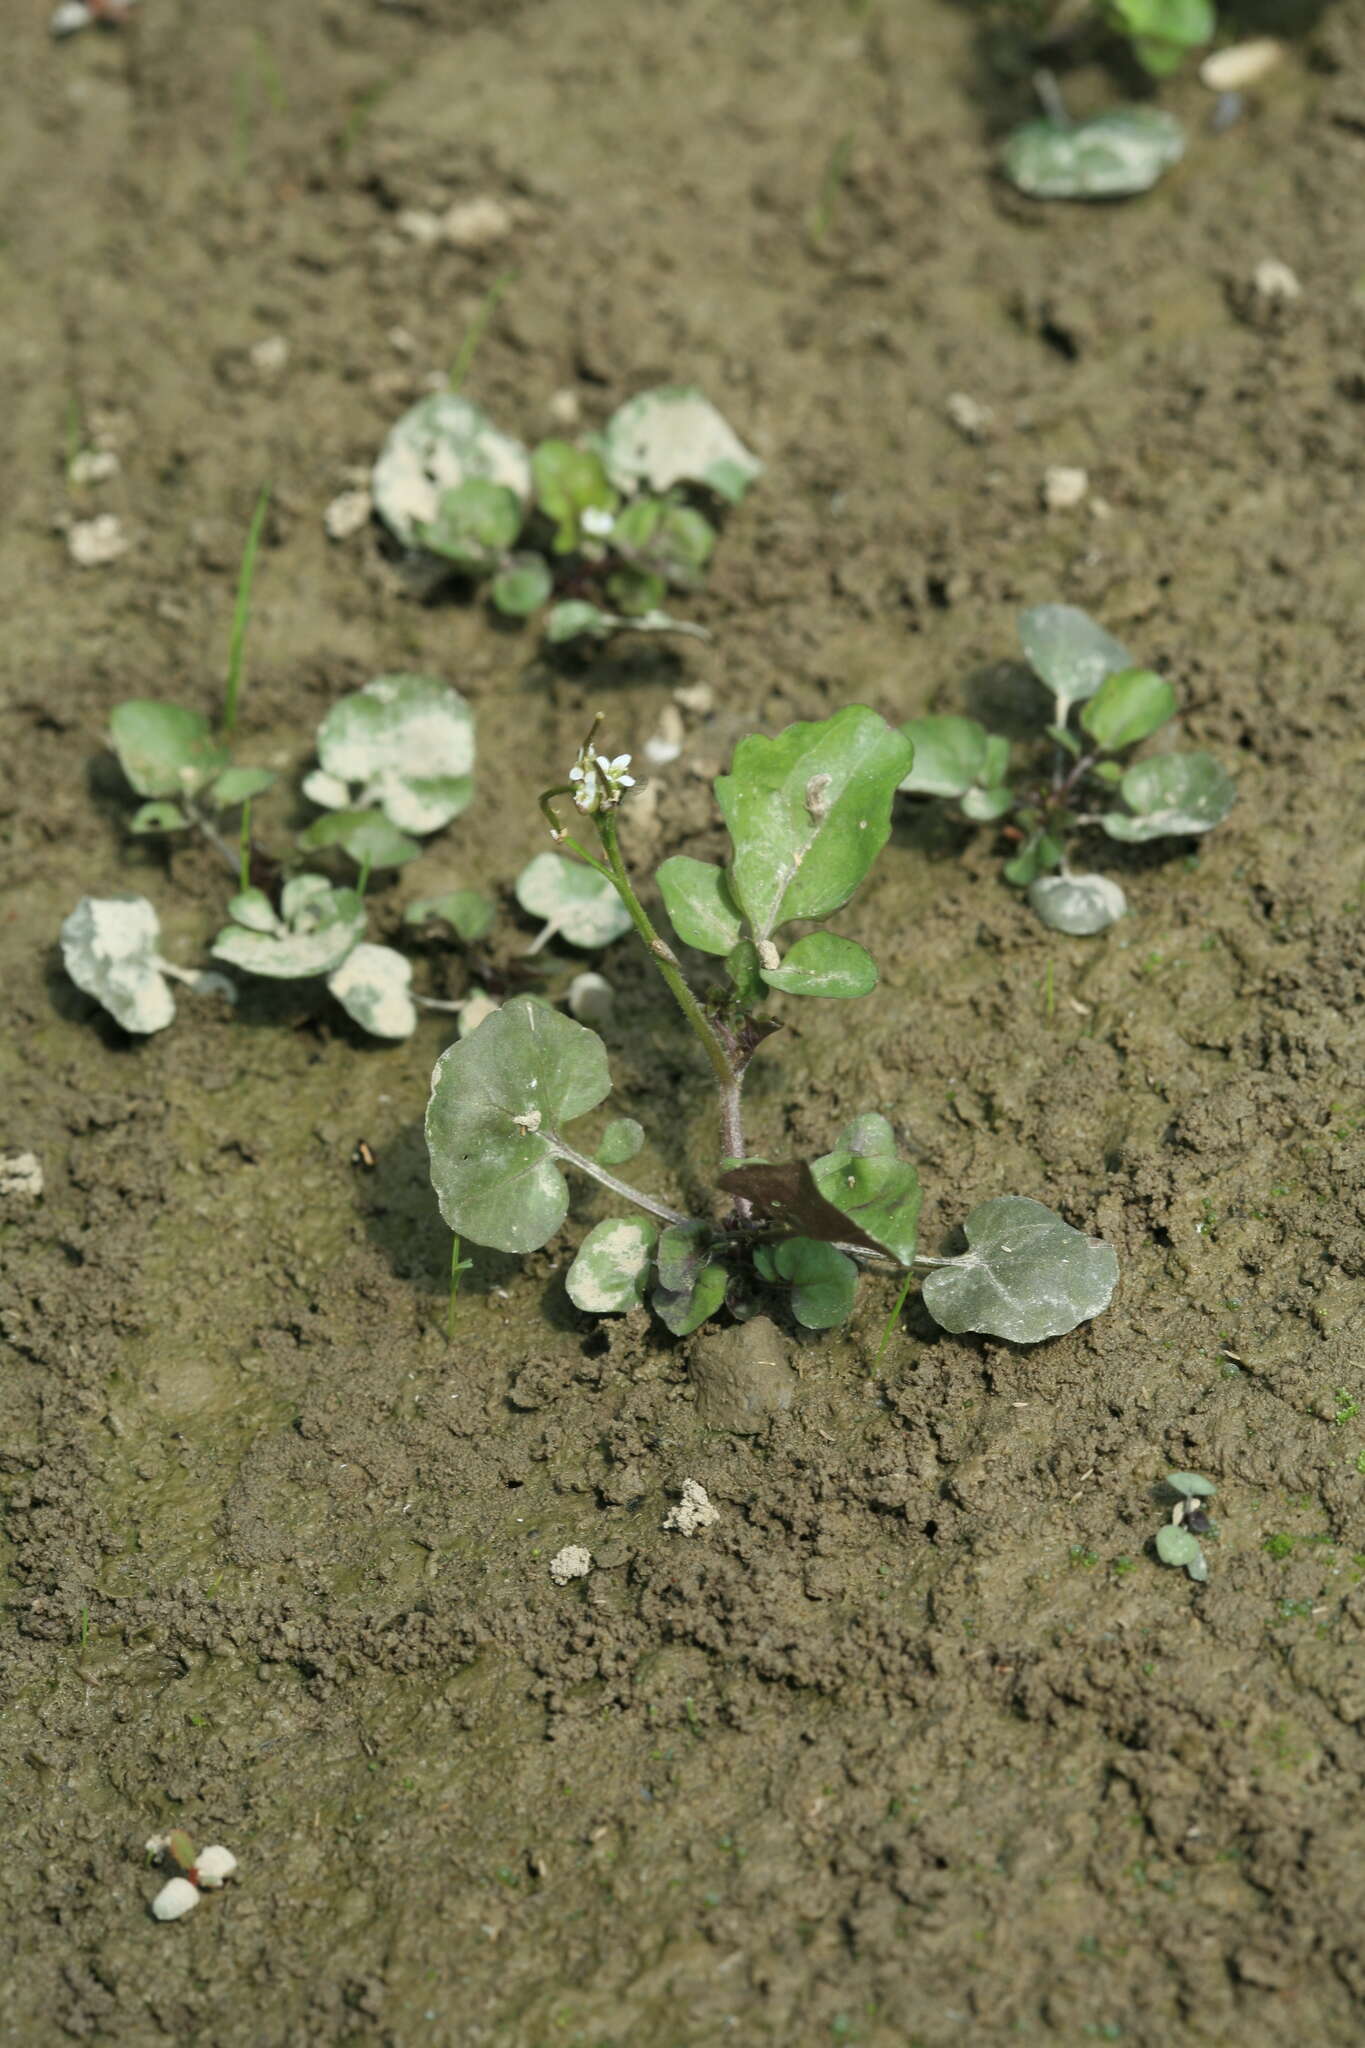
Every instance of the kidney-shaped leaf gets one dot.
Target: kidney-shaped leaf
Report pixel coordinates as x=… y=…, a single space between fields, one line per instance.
x=1079 y=905
x=109 y=948
x=674 y=435
x=950 y=755
x=1171 y=794
x=1027 y=1276
x=878 y=1192
x=164 y=749
x=1068 y=651
x=700 y=907
x=372 y=985
x=1110 y=157
x=498 y=1098
x=408 y=742
x=574 y=900
x=808 y=813
x=436 y=446
x=822 y=964
x=611 y=1271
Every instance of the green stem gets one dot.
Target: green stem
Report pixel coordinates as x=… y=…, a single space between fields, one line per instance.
x=478 y=326
x=894 y=1316
x=244 y=849
x=649 y=1203
x=242 y=612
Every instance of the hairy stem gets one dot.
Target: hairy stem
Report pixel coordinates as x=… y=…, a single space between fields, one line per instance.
x=650 y=1203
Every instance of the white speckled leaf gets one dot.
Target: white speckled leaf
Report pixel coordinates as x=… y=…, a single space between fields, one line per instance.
x=574 y=900
x=441 y=442
x=372 y=986
x=675 y=435
x=611 y=1271
x=1027 y=1276
x=1115 y=155
x=1068 y=651
x=408 y=742
x=1079 y=905
x=1170 y=795
x=109 y=947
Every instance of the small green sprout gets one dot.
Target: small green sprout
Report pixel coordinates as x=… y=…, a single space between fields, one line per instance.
x=808 y=812
x=600 y=530
x=1086 y=786
x=1177 y=1543
x=1162 y=33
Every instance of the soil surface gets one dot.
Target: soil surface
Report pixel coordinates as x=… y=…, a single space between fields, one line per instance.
x=916 y=1744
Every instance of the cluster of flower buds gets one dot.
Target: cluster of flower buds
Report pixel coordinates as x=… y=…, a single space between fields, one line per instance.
x=207 y=1872
x=599 y=784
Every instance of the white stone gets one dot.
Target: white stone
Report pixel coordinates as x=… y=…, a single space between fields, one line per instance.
x=476 y=223
x=94 y=543
x=693 y=1512
x=591 y=999
x=698 y=698
x=1275 y=280
x=69 y=17
x=667 y=742
x=572 y=1562
x=420 y=225
x=972 y=419
x=176 y=1898
x=1240 y=64
x=21 y=1173
x=270 y=354
x=214 y=1867
x=564 y=408
x=348 y=513
x=1063 y=488
x=93 y=466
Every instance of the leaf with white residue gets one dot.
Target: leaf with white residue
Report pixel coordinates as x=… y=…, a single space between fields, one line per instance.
x=319 y=926
x=165 y=749
x=1067 y=650
x=675 y=435
x=611 y=1271
x=576 y=902
x=1027 y=1275
x=372 y=985
x=440 y=443
x=404 y=743
x=1171 y=795
x=109 y=948
x=1112 y=156
x=1079 y=905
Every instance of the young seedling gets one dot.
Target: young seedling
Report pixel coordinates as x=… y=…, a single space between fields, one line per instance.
x=1088 y=781
x=807 y=813
x=1162 y=33
x=1111 y=156
x=396 y=759
x=1177 y=1542
x=110 y=950
x=606 y=526
x=319 y=930
x=208 y=1872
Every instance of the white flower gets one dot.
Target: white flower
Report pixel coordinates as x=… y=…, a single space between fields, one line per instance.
x=597 y=521
x=600 y=784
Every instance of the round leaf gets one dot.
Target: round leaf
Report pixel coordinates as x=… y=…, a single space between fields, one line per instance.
x=321 y=925
x=408 y=741
x=570 y=481
x=1068 y=651
x=239 y=786
x=620 y=1141
x=1110 y=157
x=372 y=986
x=496 y=1098
x=823 y=964
x=468 y=914
x=984 y=806
x=823 y=1281
x=1127 y=707
x=163 y=749
x=1176 y=1546
x=157 y=816
x=950 y=755
x=700 y=907
x=366 y=837
x=435 y=447
x=575 y=901
x=475 y=524
x=109 y=948
x=684 y=1310
x=1172 y=794
x=576 y=619
x=1191 y=1485
x=1027 y=1276
x=674 y=435
x=522 y=587
x=611 y=1271
x=1079 y=905
x=865 y=1180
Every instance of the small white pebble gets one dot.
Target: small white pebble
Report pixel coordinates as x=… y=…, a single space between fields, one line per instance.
x=214 y=1867
x=564 y=408
x=1240 y=64
x=591 y=999
x=572 y=1562
x=1063 y=488
x=667 y=743
x=1275 y=280
x=698 y=698
x=420 y=225
x=176 y=1898
x=476 y=223
x=270 y=354
x=348 y=512
x=401 y=342
x=972 y=419
x=93 y=543
x=69 y=17
x=93 y=466
x=693 y=1512
x=21 y=1173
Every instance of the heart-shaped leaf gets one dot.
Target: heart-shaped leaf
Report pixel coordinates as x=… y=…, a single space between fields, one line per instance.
x=823 y=964
x=1170 y=795
x=164 y=749
x=611 y=1272
x=1027 y=1276
x=109 y=948
x=499 y=1099
x=878 y=1192
x=576 y=902
x=475 y=525
x=700 y=907
x=436 y=446
x=239 y=785
x=407 y=743
x=1110 y=157
x=1177 y=1546
x=372 y=986
x=522 y=587
x=1067 y=650
x=674 y=435
x=823 y=1282
x=808 y=813
x=1079 y=905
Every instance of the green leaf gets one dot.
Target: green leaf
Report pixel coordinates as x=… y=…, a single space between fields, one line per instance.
x=1183 y=24
x=522 y=587
x=163 y=749
x=319 y=927
x=620 y=1141
x=823 y=1281
x=808 y=814
x=684 y=1252
x=254 y=910
x=1108 y=771
x=611 y=1271
x=997 y=761
x=474 y=526
x=950 y=755
x=407 y=741
x=157 y=816
x=824 y=965
x=1170 y=795
x=684 y=1310
x=700 y=907
x=1079 y=905
x=1050 y=851
x=366 y=837
x=1127 y=707
x=674 y=435
x=570 y=481
x=372 y=986
x=468 y=914
x=498 y=1100
x=576 y=902
x=1110 y=157
x=635 y=592
x=1069 y=652
x=1060 y=736
x=437 y=445
x=746 y=976
x=109 y=948
x=575 y=619
x=1027 y=1276
x=878 y=1192
x=984 y=806
x=1177 y=1546
x=1026 y=864
x=1191 y=1485
x=240 y=785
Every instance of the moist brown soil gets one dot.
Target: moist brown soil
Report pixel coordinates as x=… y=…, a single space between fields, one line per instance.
x=918 y=1744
